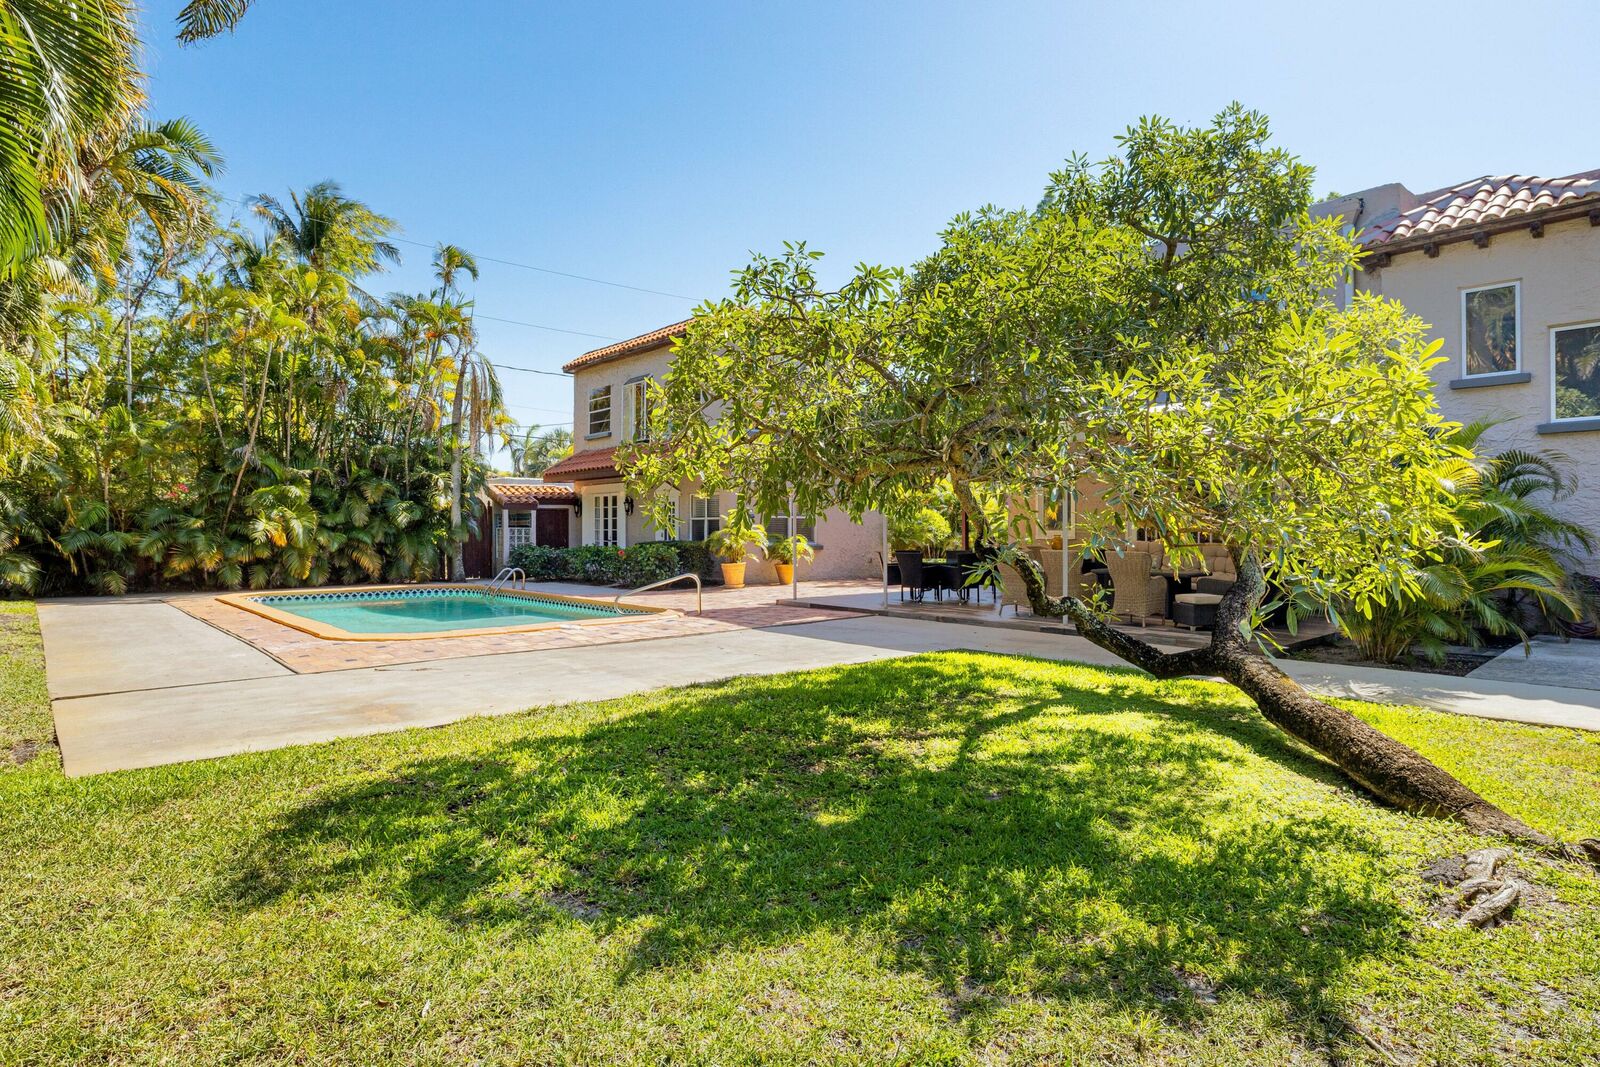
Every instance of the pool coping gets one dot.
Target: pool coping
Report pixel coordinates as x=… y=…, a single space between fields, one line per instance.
x=250 y=602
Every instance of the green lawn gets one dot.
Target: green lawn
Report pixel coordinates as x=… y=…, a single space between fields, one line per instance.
x=952 y=858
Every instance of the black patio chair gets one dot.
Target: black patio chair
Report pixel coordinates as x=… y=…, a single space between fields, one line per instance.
x=963 y=564
x=912 y=577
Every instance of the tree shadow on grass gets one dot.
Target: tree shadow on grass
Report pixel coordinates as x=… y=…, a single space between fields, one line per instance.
x=1003 y=829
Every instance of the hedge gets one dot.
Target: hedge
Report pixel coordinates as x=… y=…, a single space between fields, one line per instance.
x=642 y=564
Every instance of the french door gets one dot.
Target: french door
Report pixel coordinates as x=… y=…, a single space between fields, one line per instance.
x=606 y=515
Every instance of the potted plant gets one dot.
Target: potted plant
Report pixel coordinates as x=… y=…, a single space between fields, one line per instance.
x=785 y=552
x=736 y=542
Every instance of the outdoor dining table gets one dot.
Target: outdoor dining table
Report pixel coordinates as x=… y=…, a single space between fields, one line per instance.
x=945 y=574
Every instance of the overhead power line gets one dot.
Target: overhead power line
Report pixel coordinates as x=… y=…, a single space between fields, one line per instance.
x=524 y=266
x=560 y=273
x=530 y=370
x=537 y=326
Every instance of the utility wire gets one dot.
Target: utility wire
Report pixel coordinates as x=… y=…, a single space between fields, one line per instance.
x=522 y=266
x=553 y=329
x=560 y=273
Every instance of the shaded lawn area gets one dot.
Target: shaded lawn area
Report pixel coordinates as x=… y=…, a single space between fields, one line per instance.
x=949 y=858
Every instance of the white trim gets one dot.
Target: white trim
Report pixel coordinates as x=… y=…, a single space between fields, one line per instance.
x=1553 y=382
x=715 y=500
x=611 y=412
x=1516 y=286
x=590 y=532
x=636 y=402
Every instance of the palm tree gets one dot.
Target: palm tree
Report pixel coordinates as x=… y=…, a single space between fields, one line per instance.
x=476 y=402
x=67 y=75
x=329 y=231
x=539 y=449
x=203 y=19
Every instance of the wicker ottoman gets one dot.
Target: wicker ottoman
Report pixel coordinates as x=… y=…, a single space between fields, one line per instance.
x=1197 y=611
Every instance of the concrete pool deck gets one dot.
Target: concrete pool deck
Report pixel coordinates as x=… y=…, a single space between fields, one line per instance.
x=136 y=682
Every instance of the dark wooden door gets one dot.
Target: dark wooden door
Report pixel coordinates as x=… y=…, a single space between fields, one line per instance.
x=551 y=526
x=477 y=554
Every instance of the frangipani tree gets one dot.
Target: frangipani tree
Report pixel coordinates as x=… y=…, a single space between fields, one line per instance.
x=1159 y=324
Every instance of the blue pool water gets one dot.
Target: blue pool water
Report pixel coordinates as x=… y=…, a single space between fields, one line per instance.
x=427 y=610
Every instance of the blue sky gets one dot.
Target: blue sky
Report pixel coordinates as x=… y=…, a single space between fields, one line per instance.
x=657 y=144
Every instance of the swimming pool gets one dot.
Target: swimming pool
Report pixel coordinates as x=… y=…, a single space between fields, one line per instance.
x=400 y=613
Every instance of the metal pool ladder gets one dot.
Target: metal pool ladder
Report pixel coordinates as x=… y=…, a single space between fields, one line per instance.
x=508 y=575
x=699 y=591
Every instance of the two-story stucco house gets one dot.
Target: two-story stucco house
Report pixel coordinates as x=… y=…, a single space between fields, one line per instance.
x=1507 y=272
x=609 y=398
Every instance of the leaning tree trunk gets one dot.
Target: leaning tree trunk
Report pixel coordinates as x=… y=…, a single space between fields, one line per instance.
x=1391 y=771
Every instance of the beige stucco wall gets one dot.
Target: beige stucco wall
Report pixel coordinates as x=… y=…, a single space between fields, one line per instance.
x=846 y=549
x=1559 y=276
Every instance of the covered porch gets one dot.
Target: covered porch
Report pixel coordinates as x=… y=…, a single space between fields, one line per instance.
x=530 y=511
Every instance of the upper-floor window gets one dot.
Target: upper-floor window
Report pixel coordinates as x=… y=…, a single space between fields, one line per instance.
x=637 y=406
x=1575 y=355
x=600 y=411
x=1490 y=322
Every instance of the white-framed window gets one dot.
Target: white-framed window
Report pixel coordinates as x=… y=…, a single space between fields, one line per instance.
x=1575 y=371
x=519 y=529
x=1052 y=509
x=705 y=518
x=1491 y=329
x=605 y=517
x=600 y=411
x=636 y=404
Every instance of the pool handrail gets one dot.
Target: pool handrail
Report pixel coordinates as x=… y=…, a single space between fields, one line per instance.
x=699 y=590
x=508 y=575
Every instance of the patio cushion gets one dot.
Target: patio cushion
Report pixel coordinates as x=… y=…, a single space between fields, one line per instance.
x=1198 y=598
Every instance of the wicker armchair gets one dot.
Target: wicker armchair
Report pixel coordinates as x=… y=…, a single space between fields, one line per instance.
x=1050 y=562
x=1012 y=590
x=1137 y=593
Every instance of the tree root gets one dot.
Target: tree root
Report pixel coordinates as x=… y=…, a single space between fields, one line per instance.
x=1490 y=909
x=1584 y=851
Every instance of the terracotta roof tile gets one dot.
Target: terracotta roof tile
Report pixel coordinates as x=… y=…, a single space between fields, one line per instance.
x=1482 y=201
x=642 y=343
x=521 y=493
x=590 y=462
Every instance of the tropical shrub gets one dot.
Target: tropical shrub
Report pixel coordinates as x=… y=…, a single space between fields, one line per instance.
x=923 y=528
x=696 y=557
x=281 y=427
x=788 y=550
x=596 y=564
x=738 y=540
x=649 y=562
x=543 y=563
x=1509 y=573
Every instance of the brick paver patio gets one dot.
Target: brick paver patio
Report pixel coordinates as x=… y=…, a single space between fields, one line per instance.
x=754 y=607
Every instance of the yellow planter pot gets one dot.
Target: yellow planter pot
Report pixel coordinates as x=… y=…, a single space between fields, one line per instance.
x=785 y=572
x=733 y=575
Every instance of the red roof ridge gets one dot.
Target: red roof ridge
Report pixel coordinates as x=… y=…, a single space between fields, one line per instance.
x=1481 y=201
x=589 y=461
x=642 y=343
x=522 y=492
